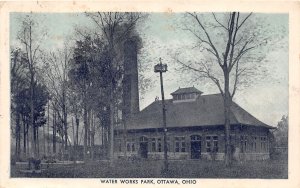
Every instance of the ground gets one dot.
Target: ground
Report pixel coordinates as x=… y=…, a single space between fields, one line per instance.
x=177 y=169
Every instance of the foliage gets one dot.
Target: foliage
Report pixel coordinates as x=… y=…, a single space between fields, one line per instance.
x=88 y=71
x=281 y=133
x=279 y=140
x=22 y=101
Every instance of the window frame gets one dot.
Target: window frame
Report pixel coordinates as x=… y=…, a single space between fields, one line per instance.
x=159 y=145
x=153 y=144
x=131 y=145
x=180 y=144
x=215 y=144
x=208 y=144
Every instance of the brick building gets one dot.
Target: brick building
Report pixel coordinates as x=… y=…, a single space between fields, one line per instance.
x=195 y=125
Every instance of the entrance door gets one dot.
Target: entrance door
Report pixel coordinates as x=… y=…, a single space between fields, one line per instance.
x=195 y=147
x=144 y=149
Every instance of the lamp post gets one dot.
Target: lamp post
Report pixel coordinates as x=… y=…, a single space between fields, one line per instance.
x=163 y=68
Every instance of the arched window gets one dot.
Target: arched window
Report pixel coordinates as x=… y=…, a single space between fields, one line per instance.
x=143 y=139
x=195 y=138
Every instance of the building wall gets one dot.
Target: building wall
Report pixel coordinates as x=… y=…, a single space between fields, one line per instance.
x=248 y=143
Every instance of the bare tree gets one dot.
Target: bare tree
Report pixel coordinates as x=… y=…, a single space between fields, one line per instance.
x=56 y=68
x=76 y=111
x=230 y=47
x=31 y=37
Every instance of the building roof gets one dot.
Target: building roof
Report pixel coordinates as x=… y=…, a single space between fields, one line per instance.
x=206 y=110
x=186 y=90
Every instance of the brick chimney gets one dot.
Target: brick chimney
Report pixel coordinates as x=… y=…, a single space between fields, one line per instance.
x=130 y=80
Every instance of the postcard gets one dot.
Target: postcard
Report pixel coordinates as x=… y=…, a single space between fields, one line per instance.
x=142 y=93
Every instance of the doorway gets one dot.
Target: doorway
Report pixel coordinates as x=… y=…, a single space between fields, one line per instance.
x=144 y=147
x=195 y=147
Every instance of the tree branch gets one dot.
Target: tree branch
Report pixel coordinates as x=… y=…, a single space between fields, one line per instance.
x=208 y=38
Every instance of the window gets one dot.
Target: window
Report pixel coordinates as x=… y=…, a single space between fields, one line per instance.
x=130 y=145
x=159 y=146
x=175 y=97
x=255 y=139
x=208 y=144
x=244 y=143
x=177 y=146
x=119 y=145
x=183 y=146
x=252 y=144
x=263 y=143
x=153 y=145
x=215 y=144
x=168 y=144
x=267 y=144
x=180 y=145
x=188 y=96
x=143 y=139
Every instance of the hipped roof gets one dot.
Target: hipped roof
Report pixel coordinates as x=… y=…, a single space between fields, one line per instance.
x=206 y=110
x=186 y=90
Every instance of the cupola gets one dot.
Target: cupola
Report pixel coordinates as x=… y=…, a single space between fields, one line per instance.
x=187 y=94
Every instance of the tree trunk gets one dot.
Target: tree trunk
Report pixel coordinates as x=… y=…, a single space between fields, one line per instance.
x=33 y=146
x=18 y=136
x=34 y=140
x=72 y=150
x=77 y=128
x=37 y=142
x=102 y=134
x=28 y=145
x=93 y=136
x=65 y=124
x=88 y=128
x=105 y=141
x=44 y=140
x=227 y=105
x=111 y=130
x=73 y=131
x=54 y=133
x=62 y=148
x=125 y=136
x=92 y=144
x=85 y=132
x=24 y=136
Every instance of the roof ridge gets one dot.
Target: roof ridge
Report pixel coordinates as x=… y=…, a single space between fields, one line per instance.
x=211 y=94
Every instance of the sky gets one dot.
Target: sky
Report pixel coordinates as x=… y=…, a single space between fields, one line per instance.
x=162 y=35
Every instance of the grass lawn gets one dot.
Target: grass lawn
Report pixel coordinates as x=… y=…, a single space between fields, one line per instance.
x=177 y=169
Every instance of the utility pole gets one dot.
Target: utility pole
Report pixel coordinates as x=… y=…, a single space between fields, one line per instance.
x=163 y=68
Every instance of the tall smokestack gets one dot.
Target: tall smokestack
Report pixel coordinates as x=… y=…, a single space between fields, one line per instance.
x=130 y=81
